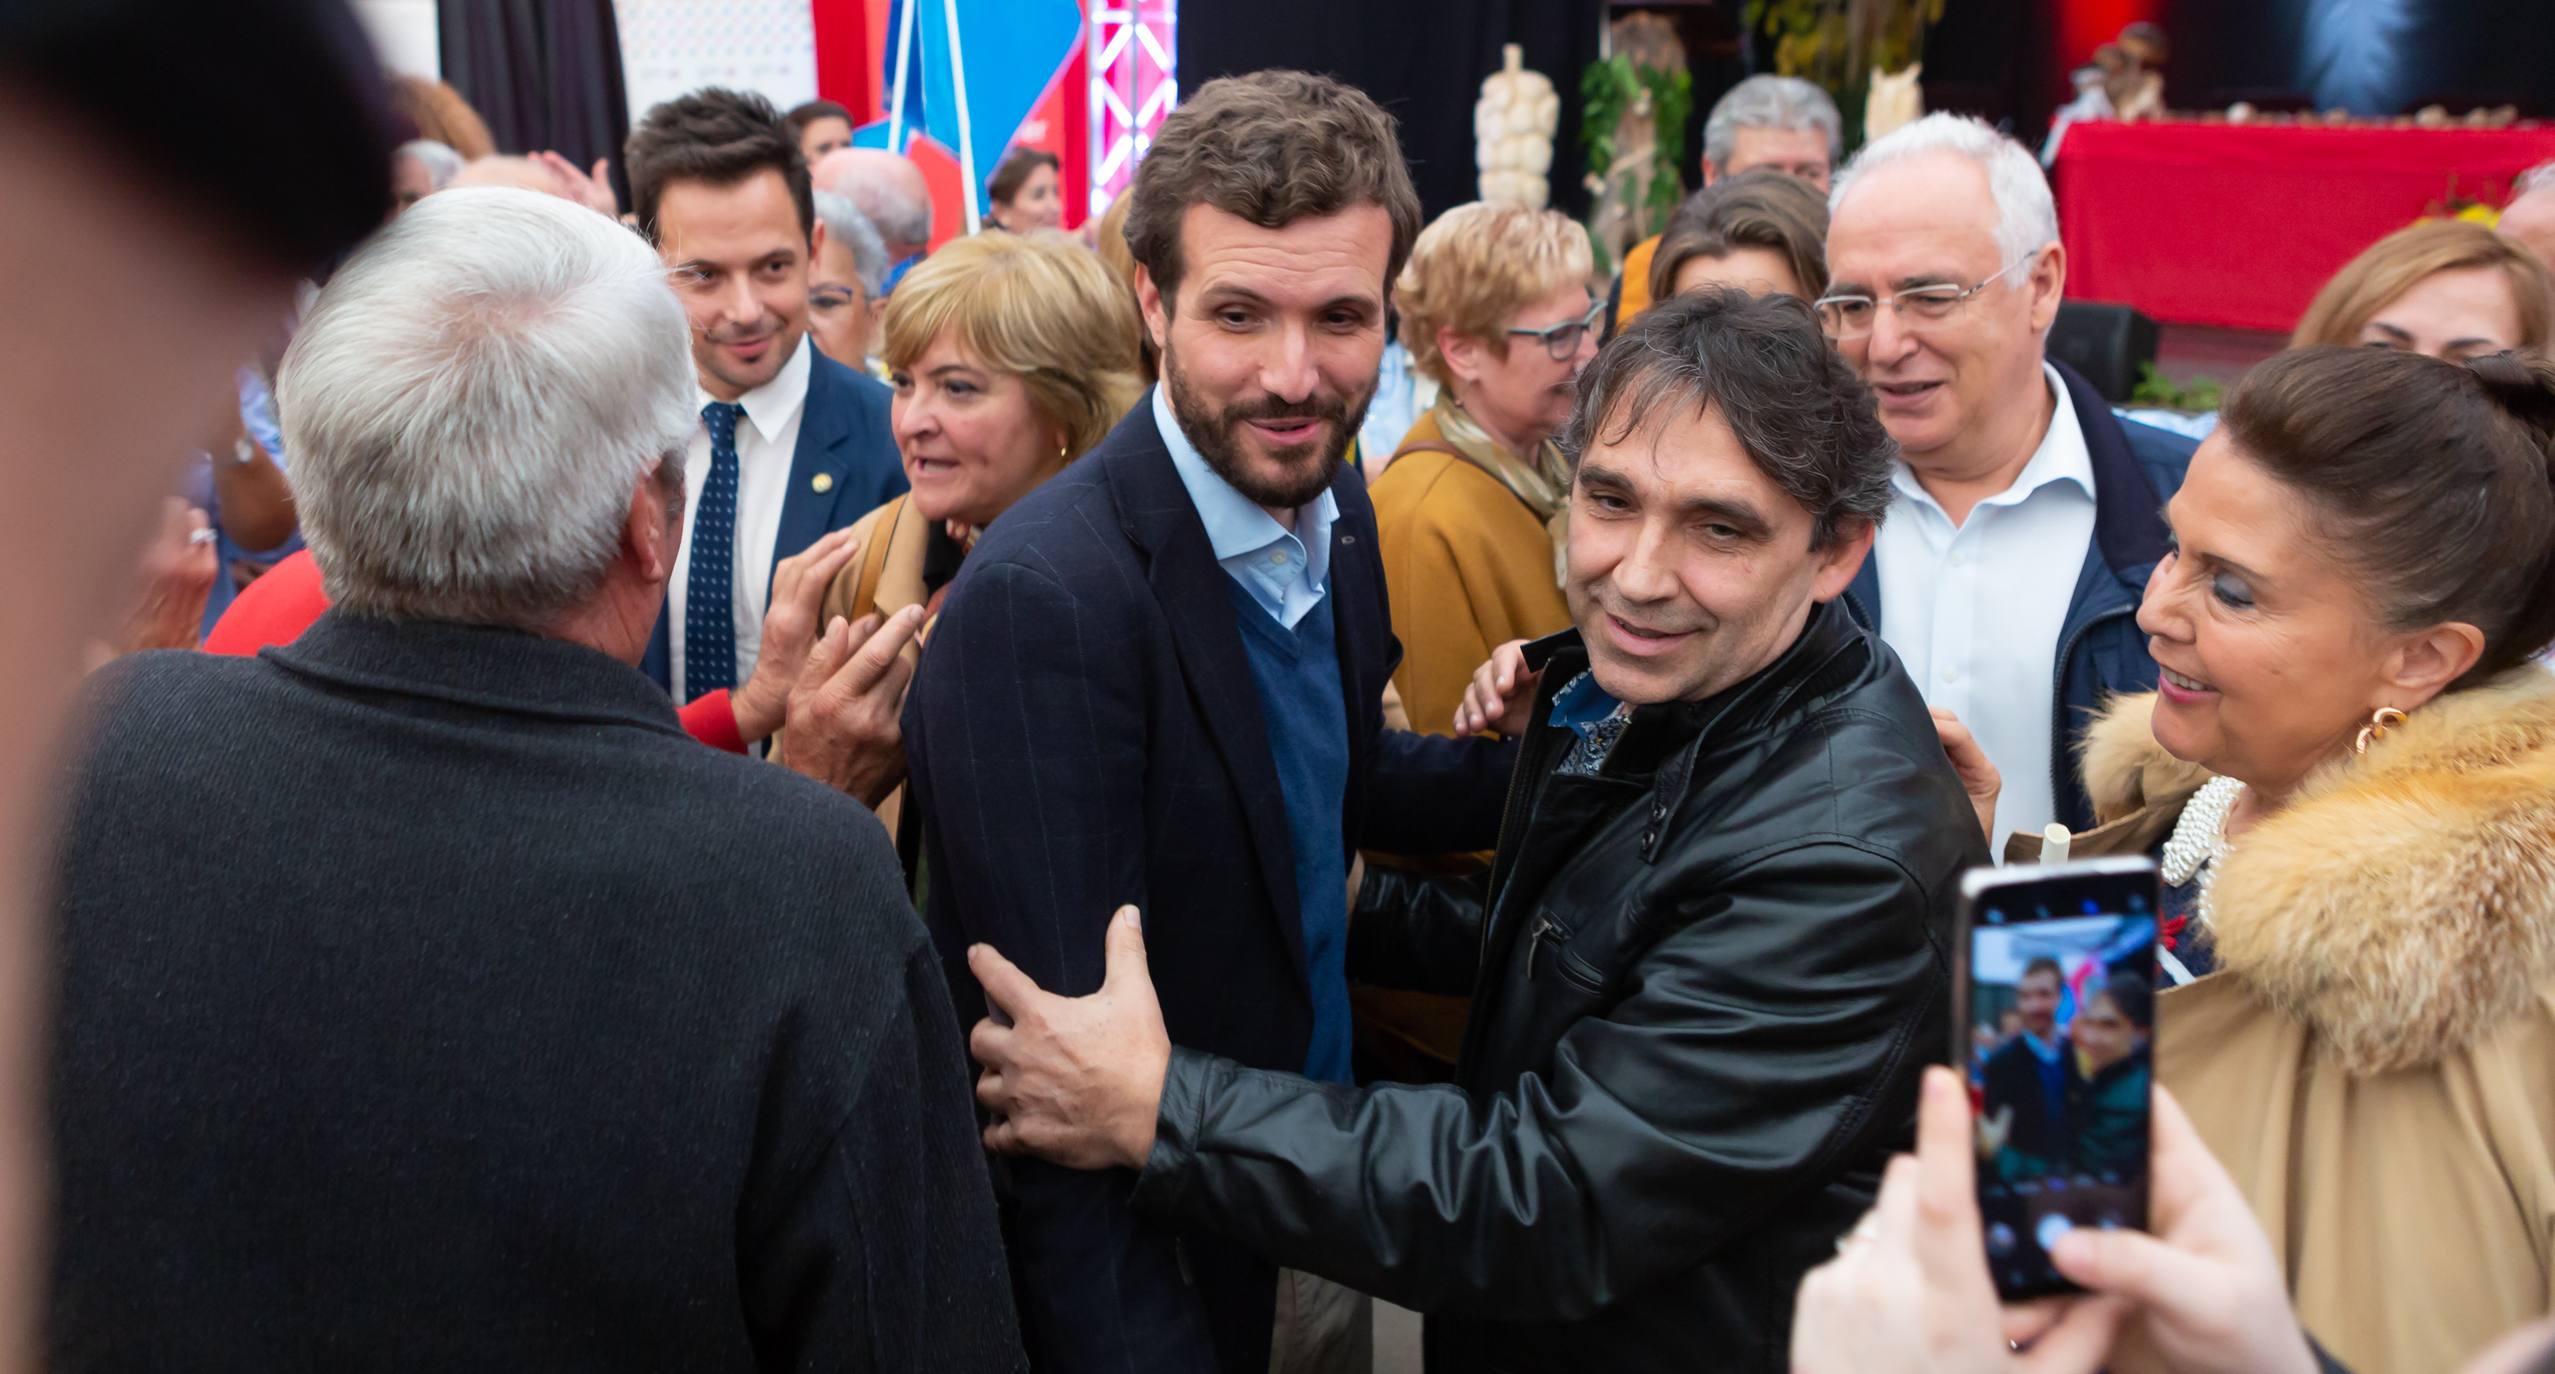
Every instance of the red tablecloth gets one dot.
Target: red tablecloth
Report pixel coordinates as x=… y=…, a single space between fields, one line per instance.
x=2240 y=224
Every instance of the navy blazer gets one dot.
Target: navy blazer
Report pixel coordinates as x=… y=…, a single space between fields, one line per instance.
x=845 y=467
x=1085 y=733
x=2101 y=651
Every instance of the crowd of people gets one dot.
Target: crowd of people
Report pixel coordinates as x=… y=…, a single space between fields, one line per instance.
x=706 y=784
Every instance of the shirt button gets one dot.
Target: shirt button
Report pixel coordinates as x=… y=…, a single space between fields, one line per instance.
x=1277 y=558
x=1951 y=676
x=1960 y=560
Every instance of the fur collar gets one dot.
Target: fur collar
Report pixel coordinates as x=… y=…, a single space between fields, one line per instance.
x=2403 y=905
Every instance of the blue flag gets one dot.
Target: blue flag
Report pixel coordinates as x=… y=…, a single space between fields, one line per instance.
x=1003 y=53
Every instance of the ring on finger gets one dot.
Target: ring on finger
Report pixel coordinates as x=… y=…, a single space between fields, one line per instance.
x=1866 y=1230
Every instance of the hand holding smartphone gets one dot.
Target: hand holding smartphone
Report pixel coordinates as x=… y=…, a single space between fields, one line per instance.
x=2054 y=990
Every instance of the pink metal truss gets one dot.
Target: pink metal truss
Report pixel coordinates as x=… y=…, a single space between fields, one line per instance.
x=1130 y=52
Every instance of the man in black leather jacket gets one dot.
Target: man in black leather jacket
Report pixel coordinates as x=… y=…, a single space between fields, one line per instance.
x=1714 y=954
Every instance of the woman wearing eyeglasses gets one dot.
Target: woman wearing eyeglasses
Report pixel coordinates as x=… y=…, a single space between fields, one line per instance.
x=1495 y=309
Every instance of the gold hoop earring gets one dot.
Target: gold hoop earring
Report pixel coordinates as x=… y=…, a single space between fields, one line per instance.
x=2383 y=719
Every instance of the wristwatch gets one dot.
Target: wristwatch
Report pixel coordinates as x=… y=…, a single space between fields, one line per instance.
x=243 y=452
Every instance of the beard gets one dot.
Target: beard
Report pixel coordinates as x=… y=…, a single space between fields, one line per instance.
x=1305 y=470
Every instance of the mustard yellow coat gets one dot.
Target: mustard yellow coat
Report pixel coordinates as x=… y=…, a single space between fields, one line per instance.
x=1468 y=567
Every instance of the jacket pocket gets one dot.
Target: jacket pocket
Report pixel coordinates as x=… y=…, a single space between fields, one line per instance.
x=1550 y=949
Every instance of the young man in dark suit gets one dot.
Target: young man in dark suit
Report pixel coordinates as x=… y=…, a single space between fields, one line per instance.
x=1706 y=966
x=1159 y=679
x=792 y=445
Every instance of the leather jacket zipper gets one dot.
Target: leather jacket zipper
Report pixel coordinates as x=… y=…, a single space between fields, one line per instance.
x=1531 y=761
x=1573 y=969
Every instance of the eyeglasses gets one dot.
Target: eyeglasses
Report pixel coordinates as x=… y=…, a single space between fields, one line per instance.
x=1851 y=316
x=1561 y=341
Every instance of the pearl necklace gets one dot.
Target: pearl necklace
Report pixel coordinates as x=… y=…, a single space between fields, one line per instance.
x=2199 y=842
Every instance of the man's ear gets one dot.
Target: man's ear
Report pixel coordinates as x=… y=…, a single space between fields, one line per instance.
x=2048 y=282
x=1156 y=309
x=653 y=534
x=1843 y=556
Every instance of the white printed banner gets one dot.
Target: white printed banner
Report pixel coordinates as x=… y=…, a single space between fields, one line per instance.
x=672 y=46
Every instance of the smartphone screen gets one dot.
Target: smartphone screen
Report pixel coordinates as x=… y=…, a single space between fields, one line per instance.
x=2057 y=1033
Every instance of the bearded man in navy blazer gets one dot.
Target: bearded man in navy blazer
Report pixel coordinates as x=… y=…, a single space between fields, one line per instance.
x=1158 y=681
x=792 y=444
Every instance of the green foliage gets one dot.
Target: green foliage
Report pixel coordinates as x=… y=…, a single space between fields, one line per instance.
x=1608 y=90
x=2200 y=395
x=1837 y=43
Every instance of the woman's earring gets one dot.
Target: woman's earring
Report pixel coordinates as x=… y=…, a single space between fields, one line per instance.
x=2383 y=719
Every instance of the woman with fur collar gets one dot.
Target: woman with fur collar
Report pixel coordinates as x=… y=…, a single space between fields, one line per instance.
x=2349 y=767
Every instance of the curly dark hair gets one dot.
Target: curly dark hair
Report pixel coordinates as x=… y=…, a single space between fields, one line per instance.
x=1271 y=147
x=714 y=135
x=1797 y=408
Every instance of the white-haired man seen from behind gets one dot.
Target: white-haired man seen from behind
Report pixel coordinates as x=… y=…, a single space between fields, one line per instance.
x=2530 y=216
x=481 y=1044
x=1775 y=123
x=2026 y=516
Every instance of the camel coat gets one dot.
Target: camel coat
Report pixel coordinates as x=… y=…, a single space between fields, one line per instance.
x=886 y=576
x=1468 y=567
x=2374 y=1060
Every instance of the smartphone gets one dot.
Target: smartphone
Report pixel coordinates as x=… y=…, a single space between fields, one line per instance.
x=2054 y=985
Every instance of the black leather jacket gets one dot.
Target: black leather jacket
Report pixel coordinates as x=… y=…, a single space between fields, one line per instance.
x=1709 y=980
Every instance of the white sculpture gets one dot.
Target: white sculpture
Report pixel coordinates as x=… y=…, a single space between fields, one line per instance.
x=1513 y=126
x=1894 y=101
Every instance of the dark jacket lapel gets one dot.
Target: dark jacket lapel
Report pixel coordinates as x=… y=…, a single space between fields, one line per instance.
x=2129 y=522
x=1362 y=626
x=825 y=472
x=1157 y=515
x=821 y=468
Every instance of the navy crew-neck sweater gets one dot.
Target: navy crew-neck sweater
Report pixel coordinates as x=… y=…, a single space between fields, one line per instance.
x=1298 y=675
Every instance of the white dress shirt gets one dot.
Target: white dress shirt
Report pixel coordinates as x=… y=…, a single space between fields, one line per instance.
x=766 y=443
x=1975 y=610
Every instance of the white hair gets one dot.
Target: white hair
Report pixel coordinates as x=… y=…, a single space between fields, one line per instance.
x=893 y=213
x=2538 y=178
x=1769 y=102
x=2026 y=217
x=442 y=164
x=845 y=224
x=471 y=402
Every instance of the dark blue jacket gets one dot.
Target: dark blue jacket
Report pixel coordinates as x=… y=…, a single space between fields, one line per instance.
x=1084 y=732
x=845 y=467
x=2101 y=651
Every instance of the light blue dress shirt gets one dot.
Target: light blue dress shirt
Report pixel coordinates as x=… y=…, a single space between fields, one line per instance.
x=1287 y=572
